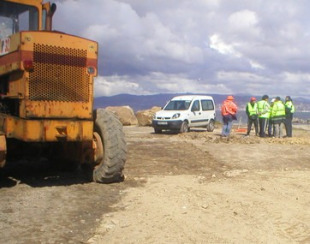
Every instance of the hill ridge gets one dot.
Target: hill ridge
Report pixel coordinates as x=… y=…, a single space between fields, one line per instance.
x=142 y=102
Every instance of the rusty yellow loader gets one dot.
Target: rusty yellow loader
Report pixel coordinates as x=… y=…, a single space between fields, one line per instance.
x=46 y=95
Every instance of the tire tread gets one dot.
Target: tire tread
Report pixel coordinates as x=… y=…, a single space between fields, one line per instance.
x=111 y=131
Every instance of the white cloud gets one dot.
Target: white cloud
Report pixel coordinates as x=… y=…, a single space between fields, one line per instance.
x=223 y=46
x=219 y=45
x=296 y=77
x=244 y=20
x=113 y=85
x=101 y=32
x=256 y=65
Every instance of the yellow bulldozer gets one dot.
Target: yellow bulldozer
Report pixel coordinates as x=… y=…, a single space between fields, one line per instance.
x=46 y=95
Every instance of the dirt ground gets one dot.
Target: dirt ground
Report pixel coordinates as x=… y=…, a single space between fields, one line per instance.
x=179 y=188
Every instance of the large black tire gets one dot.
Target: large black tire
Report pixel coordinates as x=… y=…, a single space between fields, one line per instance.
x=110 y=168
x=211 y=125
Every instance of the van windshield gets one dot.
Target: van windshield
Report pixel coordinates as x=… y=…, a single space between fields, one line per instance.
x=178 y=105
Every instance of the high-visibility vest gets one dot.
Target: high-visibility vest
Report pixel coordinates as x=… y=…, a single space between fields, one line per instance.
x=229 y=107
x=289 y=107
x=263 y=109
x=278 y=111
x=252 y=109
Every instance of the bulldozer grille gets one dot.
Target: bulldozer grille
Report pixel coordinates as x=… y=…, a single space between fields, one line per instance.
x=59 y=74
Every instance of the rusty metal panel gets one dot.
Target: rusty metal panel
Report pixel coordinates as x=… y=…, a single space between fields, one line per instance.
x=55 y=109
x=59 y=74
x=21 y=129
x=59 y=85
x=68 y=130
x=48 y=130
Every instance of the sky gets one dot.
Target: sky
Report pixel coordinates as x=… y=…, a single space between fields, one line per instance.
x=195 y=46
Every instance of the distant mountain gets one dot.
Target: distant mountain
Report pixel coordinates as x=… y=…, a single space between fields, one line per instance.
x=142 y=102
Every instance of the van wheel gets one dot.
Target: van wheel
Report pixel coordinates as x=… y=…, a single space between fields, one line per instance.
x=210 y=126
x=184 y=127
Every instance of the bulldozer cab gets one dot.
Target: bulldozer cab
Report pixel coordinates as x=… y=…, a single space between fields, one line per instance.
x=46 y=77
x=16 y=16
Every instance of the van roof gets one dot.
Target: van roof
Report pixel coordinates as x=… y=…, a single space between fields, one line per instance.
x=191 y=97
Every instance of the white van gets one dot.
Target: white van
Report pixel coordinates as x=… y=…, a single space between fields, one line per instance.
x=183 y=112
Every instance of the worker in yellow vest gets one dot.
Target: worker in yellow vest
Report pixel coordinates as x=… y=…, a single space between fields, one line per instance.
x=263 y=108
x=278 y=117
x=289 y=111
x=251 y=111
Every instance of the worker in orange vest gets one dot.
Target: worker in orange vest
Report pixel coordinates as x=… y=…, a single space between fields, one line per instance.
x=229 y=110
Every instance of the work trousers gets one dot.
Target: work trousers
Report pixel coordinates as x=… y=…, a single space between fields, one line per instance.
x=270 y=128
x=252 y=121
x=278 y=130
x=263 y=122
x=227 y=124
x=288 y=126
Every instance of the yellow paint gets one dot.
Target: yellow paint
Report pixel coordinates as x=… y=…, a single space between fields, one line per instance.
x=44 y=119
x=48 y=130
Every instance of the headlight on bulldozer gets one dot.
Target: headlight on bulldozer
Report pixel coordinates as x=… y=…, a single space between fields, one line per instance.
x=91 y=70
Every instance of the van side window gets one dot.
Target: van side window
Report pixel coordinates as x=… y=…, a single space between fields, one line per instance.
x=207 y=105
x=196 y=106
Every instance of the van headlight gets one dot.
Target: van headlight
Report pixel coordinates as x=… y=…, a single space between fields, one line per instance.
x=175 y=116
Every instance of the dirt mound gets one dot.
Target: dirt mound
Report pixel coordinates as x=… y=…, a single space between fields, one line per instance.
x=302 y=138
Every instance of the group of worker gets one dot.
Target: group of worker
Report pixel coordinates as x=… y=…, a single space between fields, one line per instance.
x=267 y=118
